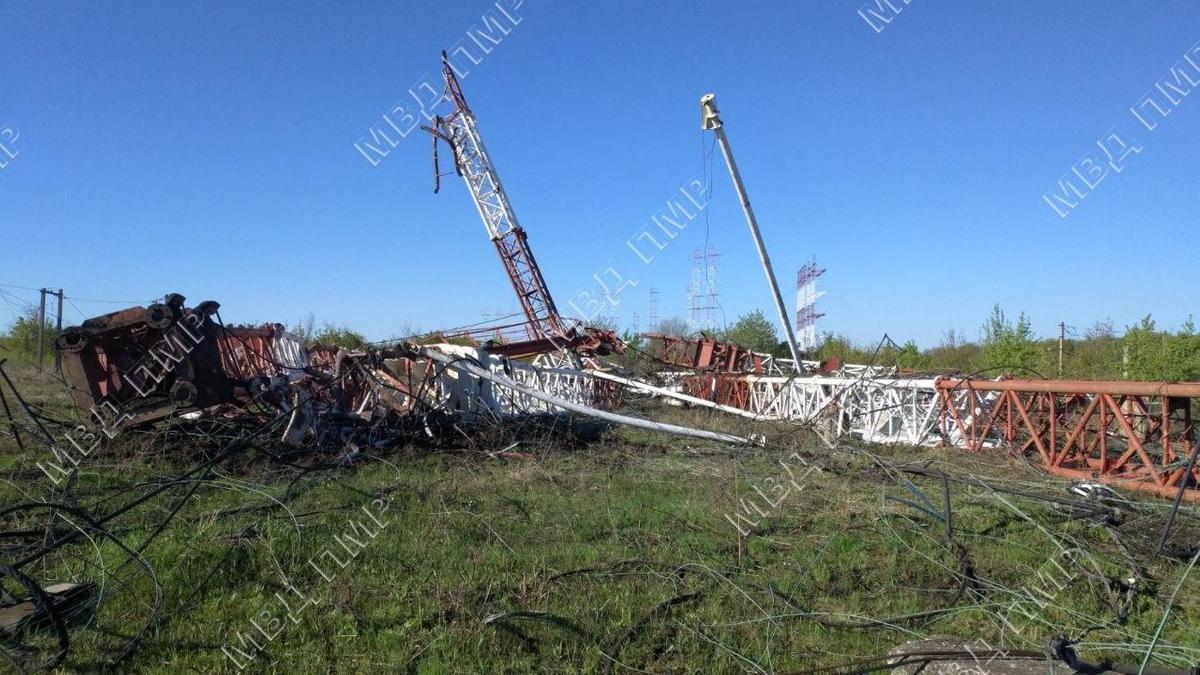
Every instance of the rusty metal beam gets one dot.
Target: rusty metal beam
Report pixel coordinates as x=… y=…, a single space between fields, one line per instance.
x=1112 y=388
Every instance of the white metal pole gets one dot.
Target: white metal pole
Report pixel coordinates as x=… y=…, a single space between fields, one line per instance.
x=710 y=119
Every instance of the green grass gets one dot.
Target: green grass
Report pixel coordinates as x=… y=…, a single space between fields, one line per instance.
x=611 y=555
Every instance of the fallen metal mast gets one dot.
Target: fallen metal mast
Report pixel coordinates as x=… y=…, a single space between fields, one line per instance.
x=472 y=162
x=711 y=120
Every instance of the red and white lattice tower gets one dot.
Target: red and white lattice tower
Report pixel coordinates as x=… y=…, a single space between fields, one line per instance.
x=473 y=163
x=806 y=305
x=702 y=293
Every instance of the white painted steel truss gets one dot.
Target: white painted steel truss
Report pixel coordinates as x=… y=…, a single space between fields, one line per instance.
x=909 y=411
x=460 y=392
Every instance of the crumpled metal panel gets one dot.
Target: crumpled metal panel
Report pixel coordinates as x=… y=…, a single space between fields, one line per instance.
x=143 y=363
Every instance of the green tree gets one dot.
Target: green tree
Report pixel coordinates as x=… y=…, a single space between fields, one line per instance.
x=604 y=322
x=22 y=335
x=673 y=325
x=1145 y=351
x=340 y=336
x=635 y=346
x=911 y=358
x=842 y=348
x=1159 y=355
x=754 y=332
x=1007 y=347
x=1097 y=356
x=1187 y=351
x=305 y=328
x=954 y=353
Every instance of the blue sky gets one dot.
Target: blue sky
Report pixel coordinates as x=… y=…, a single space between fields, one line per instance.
x=209 y=149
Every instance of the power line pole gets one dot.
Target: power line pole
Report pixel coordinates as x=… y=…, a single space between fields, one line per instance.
x=41 y=327
x=710 y=120
x=58 y=331
x=1062 y=335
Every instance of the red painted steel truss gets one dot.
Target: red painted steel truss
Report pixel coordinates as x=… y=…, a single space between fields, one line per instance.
x=1131 y=434
x=705 y=353
x=510 y=340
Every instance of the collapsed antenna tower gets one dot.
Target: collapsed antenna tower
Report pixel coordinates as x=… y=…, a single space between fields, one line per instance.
x=702 y=293
x=806 y=305
x=546 y=331
x=474 y=165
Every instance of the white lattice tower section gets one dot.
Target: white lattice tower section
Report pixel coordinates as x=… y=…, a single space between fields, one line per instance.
x=806 y=301
x=473 y=163
x=702 y=292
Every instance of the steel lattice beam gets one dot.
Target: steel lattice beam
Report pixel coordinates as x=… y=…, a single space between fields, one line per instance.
x=1130 y=434
x=474 y=164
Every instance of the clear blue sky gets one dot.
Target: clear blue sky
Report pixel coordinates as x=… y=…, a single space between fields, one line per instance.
x=209 y=149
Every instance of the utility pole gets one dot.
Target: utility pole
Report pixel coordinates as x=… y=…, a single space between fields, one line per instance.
x=41 y=327
x=1062 y=335
x=58 y=331
x=710 y=120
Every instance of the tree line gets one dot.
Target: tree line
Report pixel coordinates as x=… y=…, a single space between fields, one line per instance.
x=1004 y=347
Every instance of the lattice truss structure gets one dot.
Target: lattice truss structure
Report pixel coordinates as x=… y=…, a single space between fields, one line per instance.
x=461 y=392
x=702 y=291
x=806 y=301
x=472 y=162
x=1130 y=434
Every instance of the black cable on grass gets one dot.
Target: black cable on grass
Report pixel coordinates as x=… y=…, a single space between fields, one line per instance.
x=922 y=658
x=660 y=609
x=233 y=448
x=46 y=606
x=966 y=573
x=1183 y=483
x=12 y=425
x=25 y=404
x=93 y=525
x=197 y=476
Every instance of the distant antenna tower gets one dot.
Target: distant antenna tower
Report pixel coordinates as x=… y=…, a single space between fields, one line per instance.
x=653 y=310
x=636 y=328
x=806 y=306
x=702 y=294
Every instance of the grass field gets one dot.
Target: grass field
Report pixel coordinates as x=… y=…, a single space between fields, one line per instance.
x=588 y=550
